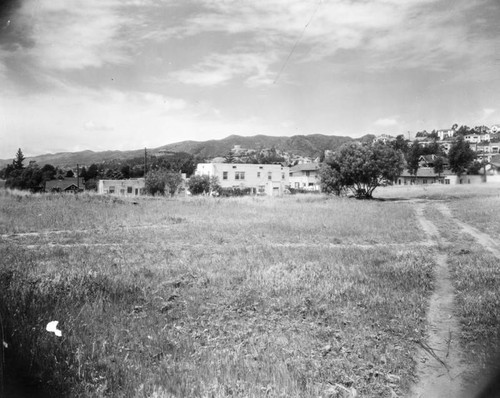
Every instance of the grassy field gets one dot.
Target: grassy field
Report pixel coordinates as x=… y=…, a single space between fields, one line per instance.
x=247 y=297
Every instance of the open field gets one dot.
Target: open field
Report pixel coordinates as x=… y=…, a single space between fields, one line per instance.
x=250 y=297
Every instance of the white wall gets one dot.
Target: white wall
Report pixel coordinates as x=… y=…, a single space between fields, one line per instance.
x=122 y=187
x=270 y=179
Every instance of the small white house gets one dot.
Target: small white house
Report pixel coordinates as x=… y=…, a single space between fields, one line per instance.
x=132 y=187
x=262 y=179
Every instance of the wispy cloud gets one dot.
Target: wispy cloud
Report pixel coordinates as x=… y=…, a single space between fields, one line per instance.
x=221 y=68
x=397 y=34
x=386 y=122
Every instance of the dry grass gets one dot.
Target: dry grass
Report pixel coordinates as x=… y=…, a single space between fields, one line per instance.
x=208 y=297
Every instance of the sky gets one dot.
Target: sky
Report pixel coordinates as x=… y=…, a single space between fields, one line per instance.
x=128 y=74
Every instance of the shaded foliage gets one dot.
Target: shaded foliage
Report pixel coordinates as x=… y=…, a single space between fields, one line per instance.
x=361 y=169
x=460 y=156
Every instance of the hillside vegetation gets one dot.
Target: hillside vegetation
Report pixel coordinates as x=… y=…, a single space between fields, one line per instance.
x=306 y=145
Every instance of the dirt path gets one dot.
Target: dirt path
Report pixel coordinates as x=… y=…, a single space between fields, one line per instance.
x=439 y=366
x=482 y=238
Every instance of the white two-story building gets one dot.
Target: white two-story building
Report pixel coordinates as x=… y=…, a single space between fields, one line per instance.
x=262 y=179
x=305 y=176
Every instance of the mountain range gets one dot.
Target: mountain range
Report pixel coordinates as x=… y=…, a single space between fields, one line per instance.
x=305 y=145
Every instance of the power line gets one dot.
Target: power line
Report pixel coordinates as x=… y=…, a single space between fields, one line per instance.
x=297 y=42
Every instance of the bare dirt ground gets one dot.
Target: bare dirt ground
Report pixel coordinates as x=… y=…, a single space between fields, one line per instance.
x=439 y=363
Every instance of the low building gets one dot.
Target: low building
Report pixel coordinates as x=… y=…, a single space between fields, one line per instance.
x=65 y=185
x=305 y=176
x=262 y=179
x=132 y=187
x=425 y=175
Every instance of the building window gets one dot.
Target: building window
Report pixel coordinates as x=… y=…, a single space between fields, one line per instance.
x=258 y=174
x=446 y=181
x=269 y=175
x=111 y=189
x=122 y=191
x=136 y=191
x=307 y=173
x=282 y=176
x=129 y=189
x=239 y=175
x=262 y=189
x=311 y=184
x=234 y=167
x=224 y=175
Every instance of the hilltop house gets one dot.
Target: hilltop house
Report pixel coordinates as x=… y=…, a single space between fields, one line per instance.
x=131 y=187
x=305 y=176
x=65 y=185
x=446 y=133
x=262 y=179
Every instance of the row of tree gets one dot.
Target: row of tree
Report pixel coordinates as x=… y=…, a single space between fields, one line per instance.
x=361 y=168
x=33 y=177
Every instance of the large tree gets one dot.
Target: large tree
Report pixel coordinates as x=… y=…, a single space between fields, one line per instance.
x=439 y=165
x=412 y=157
x=460 y=156
x=159 y=182
x=18 y=161
x=362 y=168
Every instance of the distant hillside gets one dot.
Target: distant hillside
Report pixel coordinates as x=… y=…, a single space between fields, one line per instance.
x=306 y=145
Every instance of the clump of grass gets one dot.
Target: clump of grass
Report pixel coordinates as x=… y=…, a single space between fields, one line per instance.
x=477 y=284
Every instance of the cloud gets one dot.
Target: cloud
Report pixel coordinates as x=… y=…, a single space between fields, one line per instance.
x=488 y=112
x=386 y=122
x=218 y=69
x=73 y=34
x=424 y=34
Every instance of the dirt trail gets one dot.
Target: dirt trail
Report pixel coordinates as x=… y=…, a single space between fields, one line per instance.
x=482 y=238
x=439 y=367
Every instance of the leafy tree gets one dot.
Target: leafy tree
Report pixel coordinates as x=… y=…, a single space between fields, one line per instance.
x=83 y=173
x=18 y=161
x=463 y=130
x=203 y=185
x=412 y=157
x=49 y=172
x=362 y=168
x=400 y=144
x=70 y=174
x=92 y=172
x=433 y=135
x=125 y=170
x=439 y=165
x=229 y=157
x=158 y=182
x=475 y=167
x=460 y=156
x=330 y=178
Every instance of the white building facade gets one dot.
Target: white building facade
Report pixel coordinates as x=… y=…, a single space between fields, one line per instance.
x=305 y=176
x=262 y=179
x=132 y=187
